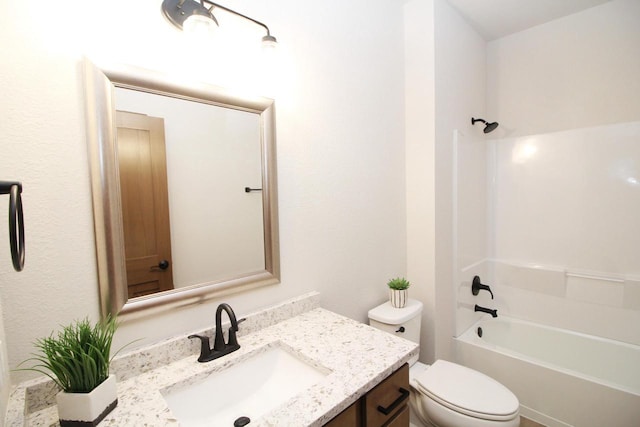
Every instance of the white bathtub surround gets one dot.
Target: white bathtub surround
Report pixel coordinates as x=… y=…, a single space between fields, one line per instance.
x=594 y=287
x=591 y=302
x=559 y=251
x=355 y=356
x=466 y=301
x=569 y=200
x=556 y=388
x=631 y=297
x=556 y=218
x=548 y=280
x=556 y=195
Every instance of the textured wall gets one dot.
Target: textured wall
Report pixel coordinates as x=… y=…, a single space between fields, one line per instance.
x=340 y=151
x=445 y=85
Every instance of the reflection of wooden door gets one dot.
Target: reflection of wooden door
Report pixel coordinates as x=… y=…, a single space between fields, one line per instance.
x=145 y=203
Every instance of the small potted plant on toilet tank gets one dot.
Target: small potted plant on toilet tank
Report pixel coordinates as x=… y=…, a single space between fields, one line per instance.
x=398 y=291
x=77 y=360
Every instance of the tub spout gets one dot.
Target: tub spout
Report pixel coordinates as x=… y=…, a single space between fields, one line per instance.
x=493 y=313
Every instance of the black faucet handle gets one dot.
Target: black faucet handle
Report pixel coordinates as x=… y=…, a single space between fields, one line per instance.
x=477 y=286
x=233 y=340
x=205 y=350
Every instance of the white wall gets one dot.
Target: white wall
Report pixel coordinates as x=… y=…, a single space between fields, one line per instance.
x=5 y=377
x=445 y=87
x=460 y=95
x=340 y=137
x=578 y=71
x=420 y=160
x=567 y=96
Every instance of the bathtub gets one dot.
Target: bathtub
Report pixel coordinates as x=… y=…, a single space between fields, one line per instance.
x=561 y=378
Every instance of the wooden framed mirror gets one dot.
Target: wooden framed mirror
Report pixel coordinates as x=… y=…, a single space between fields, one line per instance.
x=184 y=185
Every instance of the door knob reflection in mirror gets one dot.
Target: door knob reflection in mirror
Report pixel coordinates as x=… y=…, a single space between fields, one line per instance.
x=162 y=265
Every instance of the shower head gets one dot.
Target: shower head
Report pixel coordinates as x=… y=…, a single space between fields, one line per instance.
x=488 y=127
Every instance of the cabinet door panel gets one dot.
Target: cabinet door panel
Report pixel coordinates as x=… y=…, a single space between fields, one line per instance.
x=387 y=399
x=350 y=417
x=402 y=419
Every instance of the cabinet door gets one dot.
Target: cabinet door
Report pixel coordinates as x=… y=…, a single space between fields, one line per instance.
x=388 y=399
x=401 y=419
x=350 y=417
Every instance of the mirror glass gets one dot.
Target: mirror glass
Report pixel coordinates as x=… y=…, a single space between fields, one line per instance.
x=184 y=185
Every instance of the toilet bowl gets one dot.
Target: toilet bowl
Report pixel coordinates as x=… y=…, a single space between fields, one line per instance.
x=446 y=394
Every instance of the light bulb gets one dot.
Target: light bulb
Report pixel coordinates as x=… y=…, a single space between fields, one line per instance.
x=269 y=42
x=199 y=25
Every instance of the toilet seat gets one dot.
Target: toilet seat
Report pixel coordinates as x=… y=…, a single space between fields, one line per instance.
x=467 y=391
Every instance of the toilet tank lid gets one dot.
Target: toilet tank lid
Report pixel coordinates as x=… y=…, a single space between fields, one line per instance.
x=386 y=313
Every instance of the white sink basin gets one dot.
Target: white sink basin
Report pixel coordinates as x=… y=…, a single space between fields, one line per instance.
x=250 y=388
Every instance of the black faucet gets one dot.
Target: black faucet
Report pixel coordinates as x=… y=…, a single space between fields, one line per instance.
x=476 y=286
x=220 y=348
x=493 y=313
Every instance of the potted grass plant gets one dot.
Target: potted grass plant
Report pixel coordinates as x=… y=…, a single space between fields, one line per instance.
x=398 y=291
x=78 y=360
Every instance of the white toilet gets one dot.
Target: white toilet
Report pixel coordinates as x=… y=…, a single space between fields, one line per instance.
x=446 y=394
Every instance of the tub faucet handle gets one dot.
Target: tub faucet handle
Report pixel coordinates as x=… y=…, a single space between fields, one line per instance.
x=477 y=286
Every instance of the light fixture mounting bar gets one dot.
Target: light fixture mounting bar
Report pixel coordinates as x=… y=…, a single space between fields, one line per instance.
x=226 y=9
x=177 y=12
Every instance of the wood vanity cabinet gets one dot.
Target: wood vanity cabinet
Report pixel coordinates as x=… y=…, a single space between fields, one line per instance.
x=350 y=417
x=387 y=404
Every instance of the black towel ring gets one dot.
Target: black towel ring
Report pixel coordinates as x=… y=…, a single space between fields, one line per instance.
x=16 y=228
x=16 y=222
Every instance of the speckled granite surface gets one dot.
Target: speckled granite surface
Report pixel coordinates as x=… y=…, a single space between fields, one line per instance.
x=355 y=356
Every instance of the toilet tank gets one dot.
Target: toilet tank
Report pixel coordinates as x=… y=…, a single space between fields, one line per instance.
x=403 y=322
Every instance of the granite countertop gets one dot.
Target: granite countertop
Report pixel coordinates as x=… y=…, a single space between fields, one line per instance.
x=355 y=356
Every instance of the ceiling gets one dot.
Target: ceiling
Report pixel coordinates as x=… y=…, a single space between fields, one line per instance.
x=493 y=19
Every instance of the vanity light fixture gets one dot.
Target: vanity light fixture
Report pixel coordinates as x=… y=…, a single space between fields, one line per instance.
x=190 y=14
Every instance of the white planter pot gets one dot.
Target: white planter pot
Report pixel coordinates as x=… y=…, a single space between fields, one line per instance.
x=87 y=409
x=398 y=297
